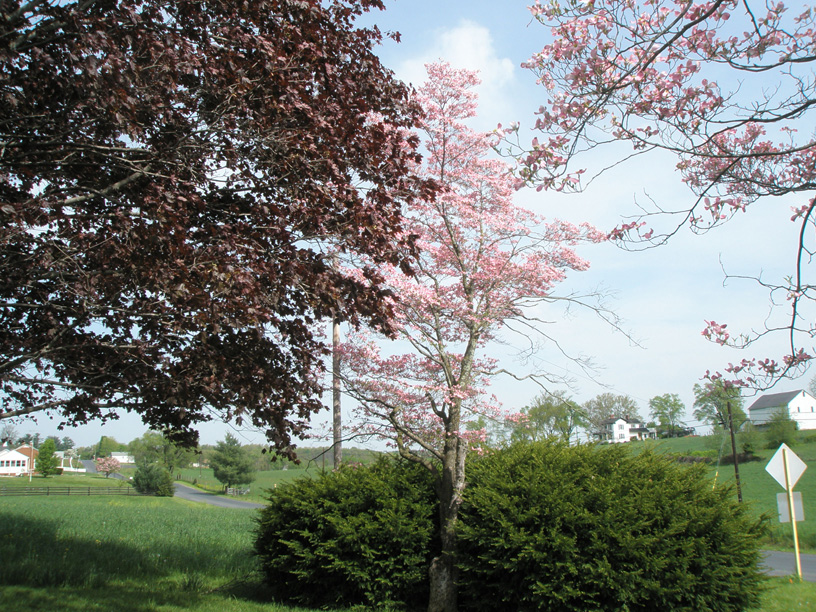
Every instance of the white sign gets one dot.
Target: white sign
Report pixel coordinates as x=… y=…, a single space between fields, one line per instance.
x=784 y=512
x=776 y=466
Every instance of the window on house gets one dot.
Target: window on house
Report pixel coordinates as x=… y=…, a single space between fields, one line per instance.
x=620 y=426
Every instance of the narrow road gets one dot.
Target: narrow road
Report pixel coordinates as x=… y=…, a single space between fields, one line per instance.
x=192 y=494
x=784 y=564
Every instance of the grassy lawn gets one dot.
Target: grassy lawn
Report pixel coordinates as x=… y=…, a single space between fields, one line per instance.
x=127 y=554
x=161 y=554
x=784 y=595
x=781 y=596
x=758 y=487
x=263 y=482
x=66 y=480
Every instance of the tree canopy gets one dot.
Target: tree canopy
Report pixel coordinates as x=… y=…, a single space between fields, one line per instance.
x=153 y=447
x=47 y=463
x=231 y=463
x=726 y=87
x=606 y=406
x=669 y=411
x=174 y=181
x=486 y=267
x=711 y=404
x=549 y=414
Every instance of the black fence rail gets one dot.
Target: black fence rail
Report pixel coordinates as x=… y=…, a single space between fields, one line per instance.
x=68 y=491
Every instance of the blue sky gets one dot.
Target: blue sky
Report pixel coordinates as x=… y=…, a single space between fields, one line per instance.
x=663 y=295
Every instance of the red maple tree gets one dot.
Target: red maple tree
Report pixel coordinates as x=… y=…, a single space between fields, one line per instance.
x=172 y=177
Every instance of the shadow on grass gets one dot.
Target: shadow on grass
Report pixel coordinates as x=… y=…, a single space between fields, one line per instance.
x=44 y=557
x=122 y=598
x=119 y=598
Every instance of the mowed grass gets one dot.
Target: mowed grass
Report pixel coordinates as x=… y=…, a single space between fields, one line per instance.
x=759 y=489
x=92 y=541
x=788 y=595
x=258 y=490
x=130 y=554
x=66 y=480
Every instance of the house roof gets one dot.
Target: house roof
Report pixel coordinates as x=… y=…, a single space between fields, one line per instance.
x=28 y=451
x=774 y=400
x=8 y=452
x=624 y=419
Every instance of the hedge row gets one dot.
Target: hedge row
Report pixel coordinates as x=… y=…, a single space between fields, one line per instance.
x=543 y=527
x=360 y=535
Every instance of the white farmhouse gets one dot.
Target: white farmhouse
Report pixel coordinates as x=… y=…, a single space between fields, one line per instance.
x=14 y=463
x=123 y=457
x=617 y=430
x=800 y=406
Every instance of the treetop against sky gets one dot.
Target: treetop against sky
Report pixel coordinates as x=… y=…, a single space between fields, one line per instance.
x=664 y=295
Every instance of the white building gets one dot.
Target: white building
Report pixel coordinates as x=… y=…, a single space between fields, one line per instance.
x=14 y=463
x=68 y=461
x=799 y=405
x=617 y=430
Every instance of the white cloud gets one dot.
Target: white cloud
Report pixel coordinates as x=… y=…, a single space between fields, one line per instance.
x=470 y=46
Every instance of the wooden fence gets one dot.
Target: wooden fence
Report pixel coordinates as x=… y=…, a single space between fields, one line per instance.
x=68 y=491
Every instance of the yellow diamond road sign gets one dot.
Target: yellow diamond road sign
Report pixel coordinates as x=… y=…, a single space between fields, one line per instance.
x=776 y=466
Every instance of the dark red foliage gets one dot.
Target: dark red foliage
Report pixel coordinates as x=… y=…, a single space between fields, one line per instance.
x=172 y=178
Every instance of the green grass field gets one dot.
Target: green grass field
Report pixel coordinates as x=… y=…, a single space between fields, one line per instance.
x=66 y=480
x=160 y=554
x=264 y=481
x=759 y=489
x=164 y=554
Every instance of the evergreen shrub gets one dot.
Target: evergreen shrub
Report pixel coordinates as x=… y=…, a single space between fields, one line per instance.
x=781 y=429
x=153 y=479
x=550 y=527
x=362 y=535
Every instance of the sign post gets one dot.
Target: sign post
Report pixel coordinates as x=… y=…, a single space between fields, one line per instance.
x=786 y=467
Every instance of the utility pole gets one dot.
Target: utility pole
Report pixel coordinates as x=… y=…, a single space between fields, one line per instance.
x=734 y=450
x=337 y=425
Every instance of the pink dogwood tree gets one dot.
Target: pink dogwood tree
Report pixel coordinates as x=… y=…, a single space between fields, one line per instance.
x=725 y=85
x=486 y=268
x=108 y=466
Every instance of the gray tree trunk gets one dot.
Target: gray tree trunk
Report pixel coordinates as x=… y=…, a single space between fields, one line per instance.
x=337 y=425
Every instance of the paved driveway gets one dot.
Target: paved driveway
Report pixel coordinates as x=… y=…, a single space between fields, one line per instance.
x=192 y=494
x=784 y=564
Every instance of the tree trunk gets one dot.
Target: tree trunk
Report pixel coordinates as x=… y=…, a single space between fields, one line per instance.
x=443 y=573
x=337 y=419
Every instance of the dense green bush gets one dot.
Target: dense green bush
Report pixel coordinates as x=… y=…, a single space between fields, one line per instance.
x=360 y=535
x=549 y=527
x=154 y=479
x=781 y=429
x=749 y=439
x=698 y=456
